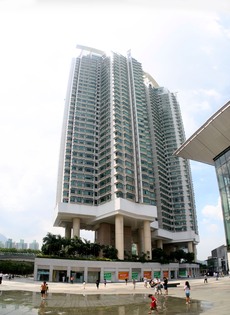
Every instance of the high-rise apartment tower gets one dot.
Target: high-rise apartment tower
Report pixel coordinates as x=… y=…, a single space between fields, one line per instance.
x=117 y=172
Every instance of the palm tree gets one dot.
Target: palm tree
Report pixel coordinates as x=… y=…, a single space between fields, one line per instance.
x=160 y=256
x=76 y=246
x=95 y=249
x=52 y=244
x=86 y=248
x=110 y=252
x=189 y=257
x=178 y=255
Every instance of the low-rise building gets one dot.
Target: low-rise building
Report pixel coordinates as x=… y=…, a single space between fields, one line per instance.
x=61 y=270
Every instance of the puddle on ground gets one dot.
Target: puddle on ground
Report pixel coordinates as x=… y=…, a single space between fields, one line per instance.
x=30 y=303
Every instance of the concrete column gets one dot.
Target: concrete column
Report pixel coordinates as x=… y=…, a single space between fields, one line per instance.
x=140 y=244
x=86 y=274
x=68 y=231
x=68 y=273
x=119 y=235
x=130 y=274
x=102 y=275
x=116 y=274
x=190 y=247
x=76 y=227
x=36 y=272
x=159 y=244
x=195 y=252
x=147 y=239
x=51 y=274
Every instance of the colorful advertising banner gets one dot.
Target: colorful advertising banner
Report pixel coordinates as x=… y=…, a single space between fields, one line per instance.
x=148 y=274
x=122 y=275
x=135 y=275
x=157 y=274
x=182 y=273
x=108 y=276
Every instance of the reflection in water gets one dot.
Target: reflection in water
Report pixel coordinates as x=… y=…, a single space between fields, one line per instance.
x=21 y=302
x=42 y=308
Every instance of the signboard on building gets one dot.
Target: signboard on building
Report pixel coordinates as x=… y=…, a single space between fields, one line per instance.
x=122 y=275
x=148 y=274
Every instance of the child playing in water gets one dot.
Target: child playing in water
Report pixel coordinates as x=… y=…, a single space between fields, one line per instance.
x=153 y=304
x=187 y=292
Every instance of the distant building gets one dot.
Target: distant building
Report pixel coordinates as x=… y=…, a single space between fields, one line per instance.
x=34 y=245
x=117 y=173
x=210 y=144
x=21 y=245
x=218 y=261
x=9 y=243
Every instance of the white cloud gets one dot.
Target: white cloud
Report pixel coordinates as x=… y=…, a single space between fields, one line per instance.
x=211 y=93
x=209 y=241
x=197 y=105
x=211 y=212
x=211 y=230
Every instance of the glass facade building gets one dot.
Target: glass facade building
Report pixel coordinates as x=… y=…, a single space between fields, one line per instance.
x=117 y=172
x=222 y=165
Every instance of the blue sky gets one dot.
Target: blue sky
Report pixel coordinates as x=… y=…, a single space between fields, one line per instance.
x=184 y=45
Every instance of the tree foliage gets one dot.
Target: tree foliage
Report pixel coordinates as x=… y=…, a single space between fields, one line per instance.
x=158 y=255
x=16 y=267
x=55 y=245
x=178 y=255
x=58 y=246
x=189 y=258
x=110 y=252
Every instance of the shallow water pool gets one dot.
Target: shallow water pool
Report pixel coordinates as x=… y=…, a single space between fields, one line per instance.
x=30 y=303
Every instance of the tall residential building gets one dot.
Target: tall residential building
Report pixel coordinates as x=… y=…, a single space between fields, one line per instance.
x=117 y=173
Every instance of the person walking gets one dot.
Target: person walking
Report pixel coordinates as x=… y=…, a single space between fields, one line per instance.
x=43 y=290
x=187 y=289
x=134 y=283
x=165 y=285
x=97 y=283
x=205 y=278
x=1 y=276
x=158 y=286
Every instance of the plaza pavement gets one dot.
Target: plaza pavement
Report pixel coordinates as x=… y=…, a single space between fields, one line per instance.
x=215 y=291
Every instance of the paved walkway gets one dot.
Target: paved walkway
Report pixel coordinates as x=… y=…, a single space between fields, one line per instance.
x=215 y=291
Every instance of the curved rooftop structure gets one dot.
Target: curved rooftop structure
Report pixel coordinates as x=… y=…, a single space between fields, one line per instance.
x=210 y=139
